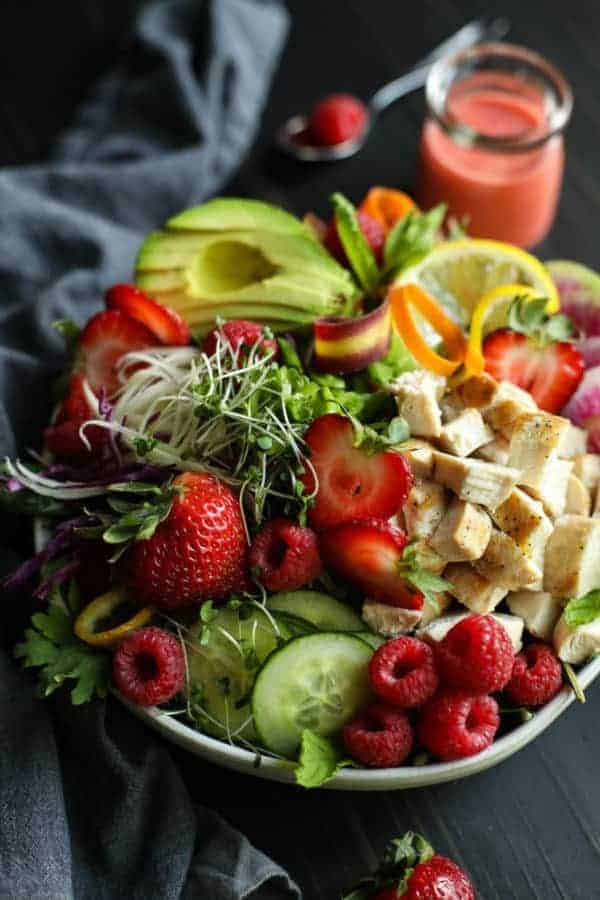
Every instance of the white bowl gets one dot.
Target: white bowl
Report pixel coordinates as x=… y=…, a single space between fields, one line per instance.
x=224 y=754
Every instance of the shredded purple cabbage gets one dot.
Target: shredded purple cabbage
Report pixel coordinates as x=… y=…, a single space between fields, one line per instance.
x=99 y=475
x=61 y=539
x=59 y=576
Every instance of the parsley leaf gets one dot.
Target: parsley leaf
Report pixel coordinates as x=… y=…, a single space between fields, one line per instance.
x=319 y=760
x=51 y=645
x=582 y=610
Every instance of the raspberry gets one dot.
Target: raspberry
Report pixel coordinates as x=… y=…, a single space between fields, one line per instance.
x=402 y=672
x=337 y=118
x=438 y=878
x=371 y=229
x=381 y=736
x=456 y=723
x=149 y=667
x=284 y=556
x=536 y=676
x=240 y=333
x=476 y=654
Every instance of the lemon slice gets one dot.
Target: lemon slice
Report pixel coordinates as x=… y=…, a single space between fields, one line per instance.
x=459 y=273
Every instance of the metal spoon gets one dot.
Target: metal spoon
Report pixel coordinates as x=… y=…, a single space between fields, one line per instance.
x=473 y=33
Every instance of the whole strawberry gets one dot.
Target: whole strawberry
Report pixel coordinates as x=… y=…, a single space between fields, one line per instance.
x=198 y=552
x=412 y=871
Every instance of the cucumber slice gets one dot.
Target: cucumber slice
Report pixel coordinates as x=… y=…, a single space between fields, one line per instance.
x=324 y=611
x=222 y=671
x=318 y=681
x=373 y=640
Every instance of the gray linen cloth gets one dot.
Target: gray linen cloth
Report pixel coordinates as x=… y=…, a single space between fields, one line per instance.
x=91 y=806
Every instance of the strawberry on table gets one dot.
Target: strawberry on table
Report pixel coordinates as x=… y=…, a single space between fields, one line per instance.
x=535 y=353
x=105 y=339
x=198 y=552
x=352 y=482
x=369 y=555
x=164 y=323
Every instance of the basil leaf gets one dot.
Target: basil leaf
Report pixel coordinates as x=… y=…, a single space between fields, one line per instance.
x=582 y=610
x=354 y=243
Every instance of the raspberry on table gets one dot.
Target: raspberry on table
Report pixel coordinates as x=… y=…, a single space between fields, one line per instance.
x=372 y=230
x=402 y=672
x=149 y=667
x=285 y=556
x=380 y=737
x=337 y=118
x=456 y=723
x=477 y=655
x=536 y=676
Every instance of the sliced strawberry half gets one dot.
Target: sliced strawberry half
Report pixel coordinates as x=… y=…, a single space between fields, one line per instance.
x=63 y=437
x=550 y=373
x=369 y=555
x=163 y=322
x=353 y=483
x=105 y=339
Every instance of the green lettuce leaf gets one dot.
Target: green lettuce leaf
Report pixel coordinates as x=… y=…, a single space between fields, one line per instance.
x=582 y=610
x=319 y=760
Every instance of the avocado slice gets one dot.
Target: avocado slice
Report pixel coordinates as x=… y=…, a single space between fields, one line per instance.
x=247 y=256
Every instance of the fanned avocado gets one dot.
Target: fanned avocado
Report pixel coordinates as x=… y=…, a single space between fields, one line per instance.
x=234 y=258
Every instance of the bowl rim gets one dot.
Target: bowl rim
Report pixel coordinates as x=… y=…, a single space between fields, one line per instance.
x=263 y=766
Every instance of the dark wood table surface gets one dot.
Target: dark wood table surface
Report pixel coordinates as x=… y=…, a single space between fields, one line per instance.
x=529 y=828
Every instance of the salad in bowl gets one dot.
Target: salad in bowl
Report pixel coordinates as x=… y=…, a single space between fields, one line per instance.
x=324 y=495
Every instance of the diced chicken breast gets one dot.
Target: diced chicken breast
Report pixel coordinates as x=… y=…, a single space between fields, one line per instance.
x=587 y=468
x=389 y=621
x=433 y=611
x=451 y=406
x=464 y=434
x=505 y=564
x=438 y=629
x=535 y=440
x=524 y=520
x=472 y=589
x=579 y=502
x=419 y=455
x=549 y=484
x=572 y=561
x=596 y=506
x=539 y=609
x=496 y=451
x=509 y=403
x=428 y=558
x=418 y=394
x=573 y=443
x=479 y=391
x=424 y=509
x=475 y=480
x=463 y=533
x=575 y=645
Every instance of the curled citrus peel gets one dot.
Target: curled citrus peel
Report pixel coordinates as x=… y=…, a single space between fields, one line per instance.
x=102 y=608
x=387 y=205
x=403 y=300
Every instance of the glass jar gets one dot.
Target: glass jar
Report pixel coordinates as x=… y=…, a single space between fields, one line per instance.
x=492 y=145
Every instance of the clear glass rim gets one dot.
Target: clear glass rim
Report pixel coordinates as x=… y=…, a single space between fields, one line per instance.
x=444 y=73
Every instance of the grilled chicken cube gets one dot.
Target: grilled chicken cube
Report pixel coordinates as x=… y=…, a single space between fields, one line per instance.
x=464 y=434
x=587 y=468
x=550 y=484
x=437 y=630
x=539 y=610
x=505 y=564
x=579 y=501
x=472 y=589
x=572 y=561
x=418 y=394
x=524 y=520
x=463 y=533
x=596 y=506
x=419 y=455
x=451 y=406
x=479 y=391
x=496 y=451
x=573 y=443
x=575 y=645
x=475 y=480
x=535 y=440
x=427 y=558
x=390 y=621
x=424 y=509
x=508 y=405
